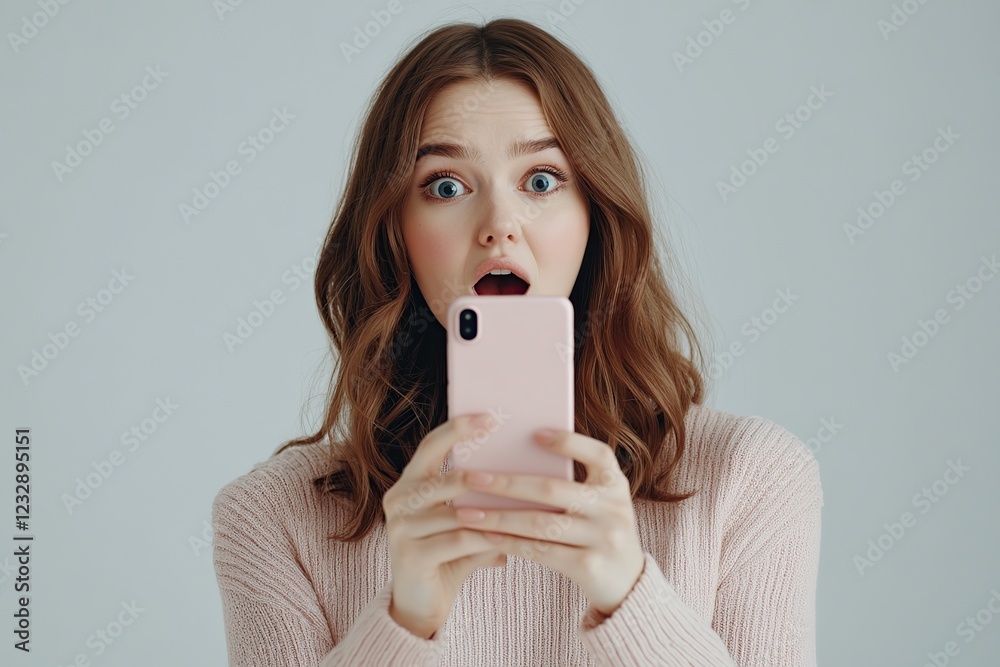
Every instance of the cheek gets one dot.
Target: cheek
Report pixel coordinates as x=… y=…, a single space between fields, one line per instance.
x=434 y=253
x=559 y=244
x=425 y=246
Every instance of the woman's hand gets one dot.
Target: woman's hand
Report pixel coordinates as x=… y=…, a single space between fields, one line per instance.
x=432 y=553
x=594 y=542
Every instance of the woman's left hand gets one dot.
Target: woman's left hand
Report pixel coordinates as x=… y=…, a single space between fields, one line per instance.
x=594 y=542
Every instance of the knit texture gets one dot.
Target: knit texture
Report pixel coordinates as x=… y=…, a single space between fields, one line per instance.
x=729 y=577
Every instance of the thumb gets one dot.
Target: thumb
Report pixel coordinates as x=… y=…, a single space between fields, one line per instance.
x=465 y=566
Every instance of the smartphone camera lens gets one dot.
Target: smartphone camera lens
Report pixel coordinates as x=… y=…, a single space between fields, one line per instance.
x=467 y=324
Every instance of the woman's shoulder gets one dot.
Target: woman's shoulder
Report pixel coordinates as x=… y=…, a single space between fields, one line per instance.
x=748 y=451
x=281 y=485
x=266 y=524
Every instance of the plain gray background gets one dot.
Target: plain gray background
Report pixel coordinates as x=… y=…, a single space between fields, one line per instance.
x=142 y=534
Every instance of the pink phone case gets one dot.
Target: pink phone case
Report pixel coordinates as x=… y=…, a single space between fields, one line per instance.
x=518 y=368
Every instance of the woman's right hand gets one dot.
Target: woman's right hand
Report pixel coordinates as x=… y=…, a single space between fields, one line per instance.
x=432 y=553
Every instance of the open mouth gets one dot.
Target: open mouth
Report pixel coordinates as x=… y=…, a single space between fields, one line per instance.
x=492 y=284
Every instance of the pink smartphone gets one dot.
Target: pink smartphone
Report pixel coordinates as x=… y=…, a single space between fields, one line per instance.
x=511 y=357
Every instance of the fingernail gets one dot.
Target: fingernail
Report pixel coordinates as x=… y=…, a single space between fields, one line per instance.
x=477 y=478
x=493 y=537
x=545 y=436
x=470 y=514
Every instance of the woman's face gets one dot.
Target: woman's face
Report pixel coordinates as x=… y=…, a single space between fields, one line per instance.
x=463 y=209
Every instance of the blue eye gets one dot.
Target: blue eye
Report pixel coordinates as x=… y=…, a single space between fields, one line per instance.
x=447 y=187
x=546 y=174
x=541 y=179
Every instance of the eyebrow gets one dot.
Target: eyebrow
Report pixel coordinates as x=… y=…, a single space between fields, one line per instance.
x=462 y=152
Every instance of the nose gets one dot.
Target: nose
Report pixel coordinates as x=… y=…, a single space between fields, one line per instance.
x=500 y=221
x=489 y=238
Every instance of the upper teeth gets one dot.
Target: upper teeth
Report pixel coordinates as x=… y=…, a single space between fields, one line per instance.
x=500 y=272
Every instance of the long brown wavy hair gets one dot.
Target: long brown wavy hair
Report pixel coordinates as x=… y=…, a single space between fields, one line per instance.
x=633 y=381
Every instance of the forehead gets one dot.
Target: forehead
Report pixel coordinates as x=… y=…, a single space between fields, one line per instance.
x=478 y=112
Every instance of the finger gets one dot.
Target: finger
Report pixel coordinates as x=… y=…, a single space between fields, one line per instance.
x=429 y=522
x=444 y=547
x=423 y=494
x=558 y=527
x=433 y=449
x=464 y=566
x=560 y=493
x=596 y=456
x=557 y=556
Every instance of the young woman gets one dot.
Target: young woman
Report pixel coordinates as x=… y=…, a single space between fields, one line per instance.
x=691 y=535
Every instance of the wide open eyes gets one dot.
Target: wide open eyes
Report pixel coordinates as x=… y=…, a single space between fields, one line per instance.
x=444 y=185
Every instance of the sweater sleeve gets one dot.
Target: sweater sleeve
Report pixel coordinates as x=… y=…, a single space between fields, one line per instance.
x=765 y=601
x=271 y=611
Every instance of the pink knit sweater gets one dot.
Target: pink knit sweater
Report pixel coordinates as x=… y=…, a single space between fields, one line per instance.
x=729 y=578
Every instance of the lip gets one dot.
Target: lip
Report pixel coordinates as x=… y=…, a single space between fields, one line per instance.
x=500 y=263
